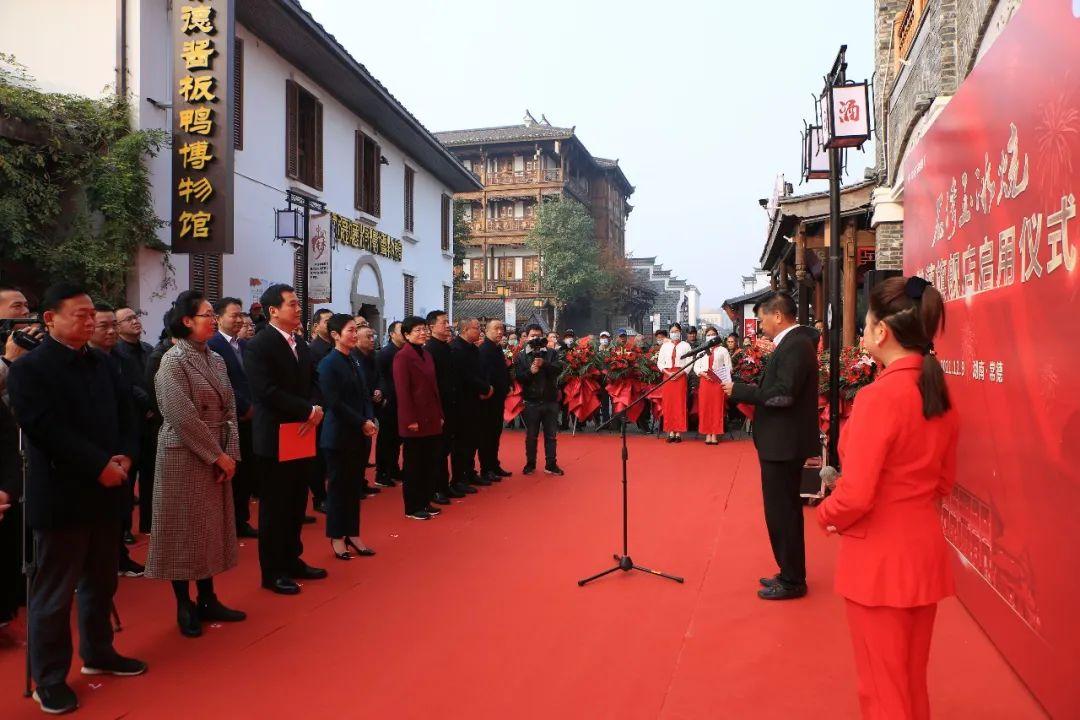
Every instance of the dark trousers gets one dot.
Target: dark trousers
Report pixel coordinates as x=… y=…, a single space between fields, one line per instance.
x=463 y=445
x=282 y=504
x=80 y=558
x=243 y=482
x=317 y=477
x=11 y=558
x=491 y=419
x=780 y=482
x=446 y=449
x=145 y=466
x=387 y=444
x=420 y=470
x=537 y=414
x=343 y=490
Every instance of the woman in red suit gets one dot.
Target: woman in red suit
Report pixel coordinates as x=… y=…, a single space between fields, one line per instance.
x=898 y=456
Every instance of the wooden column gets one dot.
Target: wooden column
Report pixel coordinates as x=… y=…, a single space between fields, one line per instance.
x=802 y=295
x=848 y=302
x=783 y=279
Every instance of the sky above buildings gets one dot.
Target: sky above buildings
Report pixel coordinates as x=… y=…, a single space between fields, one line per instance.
x=701 y=102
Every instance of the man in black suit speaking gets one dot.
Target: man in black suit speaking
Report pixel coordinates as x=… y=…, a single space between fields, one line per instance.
x=279 y=372
x=785 y=434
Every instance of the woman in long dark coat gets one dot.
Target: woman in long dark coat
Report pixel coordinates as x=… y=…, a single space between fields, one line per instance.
x=194 y=534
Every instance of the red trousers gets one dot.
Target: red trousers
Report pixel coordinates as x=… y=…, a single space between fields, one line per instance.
x=892 y=649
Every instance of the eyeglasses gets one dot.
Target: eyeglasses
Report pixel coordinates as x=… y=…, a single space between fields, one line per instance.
x=204 y=315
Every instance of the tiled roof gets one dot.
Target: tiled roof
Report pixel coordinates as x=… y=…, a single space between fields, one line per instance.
x=506 y=133
x=606 y=163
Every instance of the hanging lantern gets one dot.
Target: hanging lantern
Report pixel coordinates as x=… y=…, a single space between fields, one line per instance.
x=847 y=115
x=815 y=159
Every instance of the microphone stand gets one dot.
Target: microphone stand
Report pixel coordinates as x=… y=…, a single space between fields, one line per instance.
x=624 y=562
x=29 y=554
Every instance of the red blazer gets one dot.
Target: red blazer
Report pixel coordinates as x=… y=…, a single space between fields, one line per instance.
x=896 y=465
x=417 y=390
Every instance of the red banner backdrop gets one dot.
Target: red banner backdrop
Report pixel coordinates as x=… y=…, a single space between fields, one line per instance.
x=990 y=219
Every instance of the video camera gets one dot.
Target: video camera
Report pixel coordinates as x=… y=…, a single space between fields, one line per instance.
x=18 y=329
x=538 y=343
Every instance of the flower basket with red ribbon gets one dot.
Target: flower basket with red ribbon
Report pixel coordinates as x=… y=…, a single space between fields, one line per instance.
x=581 y=379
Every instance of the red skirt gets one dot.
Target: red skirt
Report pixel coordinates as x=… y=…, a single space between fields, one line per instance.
x=711 y=400
x=673 y=397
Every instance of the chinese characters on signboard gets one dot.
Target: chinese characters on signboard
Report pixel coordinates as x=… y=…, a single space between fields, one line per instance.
x=1037 y=244
x=364 y=237
x=202 y=126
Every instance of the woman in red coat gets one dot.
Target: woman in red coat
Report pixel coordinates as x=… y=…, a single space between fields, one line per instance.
x=898 y=456
x=420 y=419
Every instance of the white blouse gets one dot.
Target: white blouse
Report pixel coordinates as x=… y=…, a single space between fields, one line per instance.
x=664 y=360
x=720 y=357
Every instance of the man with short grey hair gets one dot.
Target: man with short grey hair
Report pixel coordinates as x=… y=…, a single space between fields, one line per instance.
x=493 y=362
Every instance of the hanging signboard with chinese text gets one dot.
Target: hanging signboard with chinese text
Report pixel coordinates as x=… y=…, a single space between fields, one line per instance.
x=990 y=219
x=319 y=259
x=364 y=237
x=202 y=110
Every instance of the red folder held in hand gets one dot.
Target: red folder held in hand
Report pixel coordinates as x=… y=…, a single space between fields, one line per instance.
x=294 y=446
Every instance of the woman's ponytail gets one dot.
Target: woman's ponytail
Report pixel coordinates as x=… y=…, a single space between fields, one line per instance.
x=915 y=312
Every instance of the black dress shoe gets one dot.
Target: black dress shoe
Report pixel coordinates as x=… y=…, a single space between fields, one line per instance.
x=456 y=491
x=129 y=539
x=116 y=665
x=306 y=572
x=308 y=519
x=282 y=586
x=782 y=591
x=384 y=481
x=319 y=506
x=528 y=469
x=492 y=477
x=56 y=699
x=553 y=469
x=502 y=473
x=481 y=481
x=432 y=510
x=770 y=581
x=244 y=530
x=463 y=488
x=440 y=499
x=371 y=490
x=211 y=610
x=187 y=618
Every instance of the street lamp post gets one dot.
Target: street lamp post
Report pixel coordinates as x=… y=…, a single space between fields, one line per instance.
x=843 y=122
x=292 y=226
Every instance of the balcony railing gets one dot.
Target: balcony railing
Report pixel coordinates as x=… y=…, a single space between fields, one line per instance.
x=521 y=177
x=491 y=287
x=509 y=224
x=904 y=30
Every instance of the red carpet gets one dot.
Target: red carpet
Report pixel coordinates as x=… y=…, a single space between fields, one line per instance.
x=477 y=614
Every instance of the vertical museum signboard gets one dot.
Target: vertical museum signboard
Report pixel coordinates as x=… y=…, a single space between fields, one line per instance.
x=202 y=133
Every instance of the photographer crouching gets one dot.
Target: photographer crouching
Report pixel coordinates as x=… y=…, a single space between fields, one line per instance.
x=81 y=435
x=537 y=370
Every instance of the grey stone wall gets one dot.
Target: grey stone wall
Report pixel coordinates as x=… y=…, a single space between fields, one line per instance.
x=890 y=246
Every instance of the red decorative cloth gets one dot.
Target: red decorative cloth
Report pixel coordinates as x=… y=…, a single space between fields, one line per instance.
x=514 y=403
x=623 y=392
x=582 y=397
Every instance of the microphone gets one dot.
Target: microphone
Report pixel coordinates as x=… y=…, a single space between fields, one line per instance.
x=711 y=343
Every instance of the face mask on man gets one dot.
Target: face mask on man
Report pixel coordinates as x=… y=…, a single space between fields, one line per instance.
x=676 y=337
x=512 y=342
x=604 y=342
x=710 y=338
x=568 y=341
